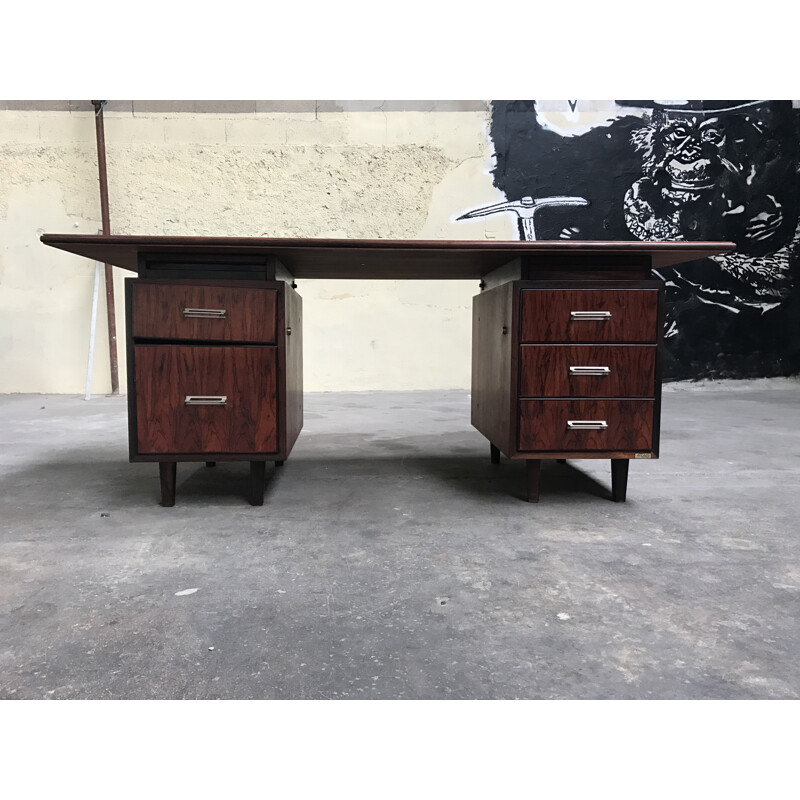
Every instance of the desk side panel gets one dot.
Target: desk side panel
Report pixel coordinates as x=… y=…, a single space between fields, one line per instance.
x=493 y=390
x=293 y=386
x=132 y=427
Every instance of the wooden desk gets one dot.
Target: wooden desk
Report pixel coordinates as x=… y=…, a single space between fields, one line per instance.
x=566 y=342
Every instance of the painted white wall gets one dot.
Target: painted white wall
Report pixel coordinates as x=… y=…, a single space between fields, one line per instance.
x=350 y=174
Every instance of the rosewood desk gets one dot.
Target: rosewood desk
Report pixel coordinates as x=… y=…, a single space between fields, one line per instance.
x=566 y=342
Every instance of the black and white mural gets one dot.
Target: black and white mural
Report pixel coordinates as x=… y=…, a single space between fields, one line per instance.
x=673 y=170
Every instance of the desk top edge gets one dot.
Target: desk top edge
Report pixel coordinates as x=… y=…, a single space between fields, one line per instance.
x=123 y=250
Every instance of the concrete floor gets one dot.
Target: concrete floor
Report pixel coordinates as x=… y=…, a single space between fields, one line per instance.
x=392 y=560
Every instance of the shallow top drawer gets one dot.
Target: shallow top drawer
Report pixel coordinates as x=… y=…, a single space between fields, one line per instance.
x=204 y=313
x=589 y=315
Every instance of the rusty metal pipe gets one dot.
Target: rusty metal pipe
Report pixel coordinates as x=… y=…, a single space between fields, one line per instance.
x=109 y=275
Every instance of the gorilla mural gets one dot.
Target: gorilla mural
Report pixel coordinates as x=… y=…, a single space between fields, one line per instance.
x=674 y=170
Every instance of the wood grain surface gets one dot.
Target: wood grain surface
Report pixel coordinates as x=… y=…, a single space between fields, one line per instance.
x=543 y=425
x=158 y=312
x=165 y=374
x=545 y=315
x=544 y=370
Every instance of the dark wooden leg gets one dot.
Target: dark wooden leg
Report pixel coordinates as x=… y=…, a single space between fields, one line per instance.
x=258 y=471
x=211 y=463
x=533 y=468
x=619 y=479
x=279 y=463
x=167 y=471
x=561 y=460
x=494 y=453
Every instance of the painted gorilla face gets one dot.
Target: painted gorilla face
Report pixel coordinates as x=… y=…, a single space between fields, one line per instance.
x=692 y=151
x=687 y=150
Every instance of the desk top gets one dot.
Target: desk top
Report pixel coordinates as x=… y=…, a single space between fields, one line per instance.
x=411 y=259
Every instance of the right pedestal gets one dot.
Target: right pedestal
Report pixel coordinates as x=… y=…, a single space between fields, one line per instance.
x=568 y=369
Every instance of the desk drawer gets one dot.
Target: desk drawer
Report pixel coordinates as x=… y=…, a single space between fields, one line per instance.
x=561 y=370
x=204 y=313
x=563 y=425
x=589 y=315
x=206 y=399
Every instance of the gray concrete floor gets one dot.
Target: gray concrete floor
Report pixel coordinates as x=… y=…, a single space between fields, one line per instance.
x=392 y=560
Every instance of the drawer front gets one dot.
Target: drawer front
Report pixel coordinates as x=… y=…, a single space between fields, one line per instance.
x=593 y=425
x=589 y=315
x=560 y=370
x=204 y=313
x=206 y=399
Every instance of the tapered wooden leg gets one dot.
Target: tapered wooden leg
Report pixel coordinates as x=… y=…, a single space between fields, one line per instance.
x=533 y=468
x=494 y=454
x=258 y=471
x=619 y=479
x=167 y=471
x=211 y=463
x=279 y=463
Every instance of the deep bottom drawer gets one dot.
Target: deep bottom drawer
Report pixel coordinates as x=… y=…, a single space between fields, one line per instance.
x=562 y=425
x=206 y=399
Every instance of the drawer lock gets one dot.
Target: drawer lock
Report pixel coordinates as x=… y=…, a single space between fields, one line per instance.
x=587 y=424
x=590 y=371
x=205 y=400
x=204 y=313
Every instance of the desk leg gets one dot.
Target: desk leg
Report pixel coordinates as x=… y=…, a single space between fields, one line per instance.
x=533 y=468
x=258 y=471
x=494 y=454
x=279 y=463
x=167 y=471
x=619 y=479
x=211 y=463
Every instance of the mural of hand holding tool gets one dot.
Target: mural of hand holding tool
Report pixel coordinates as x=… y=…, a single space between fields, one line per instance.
x=525 y=209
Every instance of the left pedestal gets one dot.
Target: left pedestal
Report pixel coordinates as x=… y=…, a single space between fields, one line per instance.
x=214 y=374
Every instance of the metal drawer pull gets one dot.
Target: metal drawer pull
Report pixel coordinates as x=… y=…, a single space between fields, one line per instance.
x=205 y=313
x=587 y=424
x=590 y=316
x=206 y=400
x=590 y=370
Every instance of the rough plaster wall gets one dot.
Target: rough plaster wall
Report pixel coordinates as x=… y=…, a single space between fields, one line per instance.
x=45 y=295
x=350 y=175
x=300 y=191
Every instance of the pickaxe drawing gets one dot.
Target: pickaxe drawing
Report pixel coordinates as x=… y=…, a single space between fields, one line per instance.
x=525 y=210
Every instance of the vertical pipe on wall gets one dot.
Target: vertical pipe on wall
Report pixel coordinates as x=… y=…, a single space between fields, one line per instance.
x=109 y=275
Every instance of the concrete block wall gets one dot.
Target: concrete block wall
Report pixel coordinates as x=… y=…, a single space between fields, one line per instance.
x=351 y=169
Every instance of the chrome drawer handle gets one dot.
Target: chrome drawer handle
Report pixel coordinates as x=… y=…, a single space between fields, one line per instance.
x=590 y=316
x=590 y=370
x=205 y=313
x=206 y=400
x=587 y=424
